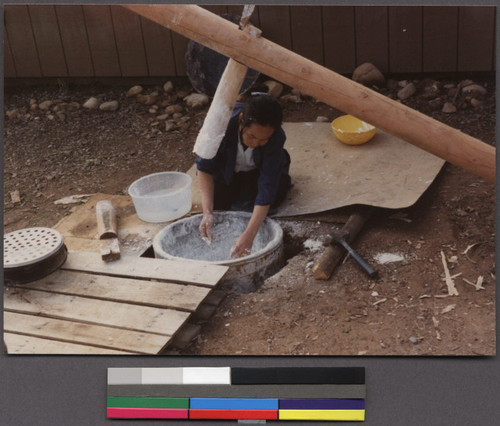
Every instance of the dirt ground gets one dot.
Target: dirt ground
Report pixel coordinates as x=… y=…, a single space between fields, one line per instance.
x=69 y=150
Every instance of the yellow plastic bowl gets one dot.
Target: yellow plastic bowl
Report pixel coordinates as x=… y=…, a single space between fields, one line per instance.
x=352 y=131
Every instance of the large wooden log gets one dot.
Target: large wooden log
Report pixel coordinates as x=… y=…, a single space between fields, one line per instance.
x=325 y=85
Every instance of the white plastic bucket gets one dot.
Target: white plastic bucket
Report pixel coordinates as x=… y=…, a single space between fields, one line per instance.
x=161 y=197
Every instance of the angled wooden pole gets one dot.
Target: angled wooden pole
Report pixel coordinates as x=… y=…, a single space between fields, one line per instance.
x=325 y=85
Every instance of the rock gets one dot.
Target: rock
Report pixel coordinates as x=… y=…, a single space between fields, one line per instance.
x=61 y=116
x=413 y=339
x=368 y=75
x=33 y=107
x=181 y=94
x=109 y=106
x=168 y=87
x=152 y=110
x=91 y=103
x=449 y=86
x=465 y=83
x=407 y=92
x=170 y=125
x=196 y=100
x=12 y=114
x=322 y=119
x=476 y=102
x=50 y=117
x=135 y=90
x=172 y=109
x=162 y=117
x=177 y=115
x=436 y=104
x=474 y=89
x=147 y=99
x=32 y=101
x=45 y=105
x=431 y=91
x=274 y=88
x=291 y=98
x=449 y=108
x=297 y=93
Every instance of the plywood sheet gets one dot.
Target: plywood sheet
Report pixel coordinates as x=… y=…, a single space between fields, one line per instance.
x=327 y=174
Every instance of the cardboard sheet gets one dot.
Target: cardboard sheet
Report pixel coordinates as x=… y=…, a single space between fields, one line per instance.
x=327 y=174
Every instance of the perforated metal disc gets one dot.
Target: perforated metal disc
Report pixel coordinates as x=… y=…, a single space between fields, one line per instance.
x=29 y=246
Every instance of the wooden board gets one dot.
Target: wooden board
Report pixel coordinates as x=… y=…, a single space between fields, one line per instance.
x=126 y=316
x=8 y=64
x=102 y=44
x=339 y=39
x=158 y=47
x=48 y=40
x=476 y=38
x=196 y=273
x=22 y=43
x=74 y=40
x=95 y=336
x=439 y=38
x=275 y=24
x=20 y=344
x=129 y=42
x=118 y=289
x=307 y=39
x=405 y=39
x=371 y=36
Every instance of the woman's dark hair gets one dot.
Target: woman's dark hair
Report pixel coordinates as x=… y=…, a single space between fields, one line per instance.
x=263 y=110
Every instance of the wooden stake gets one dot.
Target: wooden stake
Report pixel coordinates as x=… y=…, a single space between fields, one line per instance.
x=325 y=85
x=324 y=266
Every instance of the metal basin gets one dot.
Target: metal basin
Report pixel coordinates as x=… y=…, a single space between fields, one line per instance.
x=181 y=240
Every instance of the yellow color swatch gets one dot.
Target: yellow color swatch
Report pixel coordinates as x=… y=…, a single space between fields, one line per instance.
x=356 y=415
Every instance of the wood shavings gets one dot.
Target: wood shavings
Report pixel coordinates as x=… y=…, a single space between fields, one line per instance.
x=449 y=308
x=72 y=199
x=478 y=285
x=469 y=247
x=452 y=291
x=379 y=301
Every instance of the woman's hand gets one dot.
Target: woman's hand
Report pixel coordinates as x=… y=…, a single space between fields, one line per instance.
x=206 y=228
x=242 y=246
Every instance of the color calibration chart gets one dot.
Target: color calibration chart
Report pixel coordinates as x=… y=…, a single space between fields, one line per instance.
x=217 y=393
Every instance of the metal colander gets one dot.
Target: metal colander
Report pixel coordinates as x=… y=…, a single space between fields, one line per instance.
x=32 y=253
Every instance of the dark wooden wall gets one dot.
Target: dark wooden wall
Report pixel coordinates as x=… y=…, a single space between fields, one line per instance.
x=110 y=41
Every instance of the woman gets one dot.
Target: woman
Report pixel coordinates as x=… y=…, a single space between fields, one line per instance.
x=249 y=171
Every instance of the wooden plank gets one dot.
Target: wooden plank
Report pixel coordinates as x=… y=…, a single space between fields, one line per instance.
x=371 y=36
x=275 y=24
x=74 y=40
x=19 y=344
x=139 y=318
x=476 y=38
x=307 y=32
x=159 y=50
x=129 y=42
x=22 y=41
x=48 y=40
x=439 y=32
x=180 y=44
x=217 y=9
x=405 y=39
x=196 y=273
x=339 y=38
x=101 y=40
x=83 y=334
x=9 y=68
x=150 y=293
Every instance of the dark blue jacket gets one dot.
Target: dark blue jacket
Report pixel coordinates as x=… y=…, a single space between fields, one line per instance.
x=271 y=160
